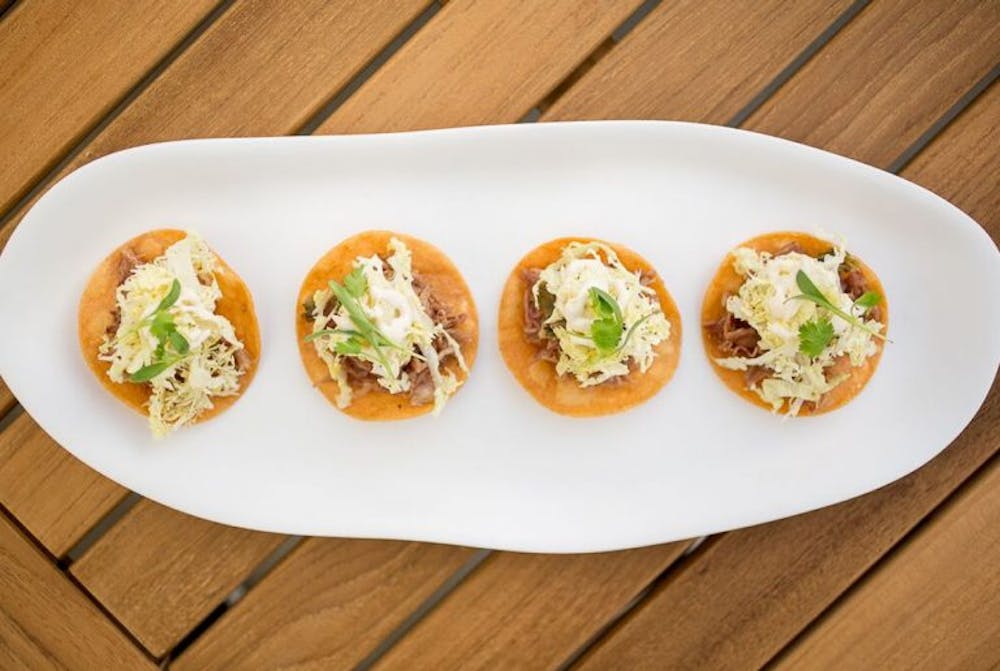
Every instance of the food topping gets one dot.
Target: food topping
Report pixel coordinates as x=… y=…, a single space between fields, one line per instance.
x=383 y=326
x=795 y=324
x=166 y=334
x=591 y=316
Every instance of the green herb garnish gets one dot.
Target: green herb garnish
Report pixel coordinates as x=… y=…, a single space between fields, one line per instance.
x=606 y=330
x=811 y=293
x=814 y=336
x=365 y=332
x=356 y=283
x=172 y=347
x=628 y=335
x=868 y=300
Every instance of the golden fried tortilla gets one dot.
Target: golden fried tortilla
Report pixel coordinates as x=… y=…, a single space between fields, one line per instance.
x=562 y=393
x=727 y=281
x=436 y=271
x=98 y=307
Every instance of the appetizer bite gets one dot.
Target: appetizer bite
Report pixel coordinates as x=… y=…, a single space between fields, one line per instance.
x=794 y=323
x=169 y=329
x=387 y=327
x=588 y=328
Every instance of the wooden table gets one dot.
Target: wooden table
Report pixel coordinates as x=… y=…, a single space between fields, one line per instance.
x=92 y=576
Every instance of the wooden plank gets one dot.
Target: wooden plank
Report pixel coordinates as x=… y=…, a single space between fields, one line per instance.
x=528 y=611
x=46 y=622
x=886 y=78
x=66 y=64
x=696 y=60
x=326 y=606
x=933 y=604
x=160 y=572
x=261 y=69
x=958 y=164
x=750 y=592
x=7 y=400
x=480 y=61
x=56 y=497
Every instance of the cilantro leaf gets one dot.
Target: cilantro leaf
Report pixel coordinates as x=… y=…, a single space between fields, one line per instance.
x=606 y=333
x=814 y=336
x=356 y=283
x=604 y=304
x=606 y=330
x=868 y=300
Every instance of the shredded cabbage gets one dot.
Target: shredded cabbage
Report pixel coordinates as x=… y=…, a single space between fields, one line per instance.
x=763 y=302
x=184 y=390
x=569 y=279
x=392 y=305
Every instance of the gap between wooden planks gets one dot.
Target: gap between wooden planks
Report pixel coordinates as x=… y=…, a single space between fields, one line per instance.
x=46 y=622
x=185 y=101
x=934 y=604
x=92 y=54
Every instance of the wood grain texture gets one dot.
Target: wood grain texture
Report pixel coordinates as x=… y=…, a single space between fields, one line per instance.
x=55 y=496
x=7 y=400
x=160 y=572
x=66 y=64
x=326 y=606
x=696 y=60
x=962 y=163
x=749 y=592
x=480 y=61
x=261 y=69
x=933 y=604
x=886 y=77
x=46 y=622
x=528 y=611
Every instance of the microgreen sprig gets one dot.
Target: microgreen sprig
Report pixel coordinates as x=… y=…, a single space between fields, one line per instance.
x=354 y=286
x=606 y=330
x=162 y=327
x=815 y=335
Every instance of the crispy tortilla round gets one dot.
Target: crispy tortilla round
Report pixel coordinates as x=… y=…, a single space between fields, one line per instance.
x=97 y=312
x=562 y=393
x=444 y=280
x=727 y=281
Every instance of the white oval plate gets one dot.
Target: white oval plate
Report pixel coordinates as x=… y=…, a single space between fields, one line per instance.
x=496 y=469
